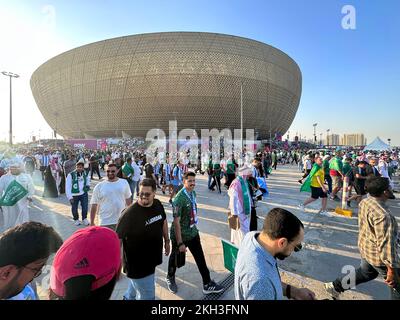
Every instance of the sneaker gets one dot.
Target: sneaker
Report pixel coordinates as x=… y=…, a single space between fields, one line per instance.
x=212 y=287
x=301 y=207
x=329 y=287
x=85 y=222
x=301 y=182
x=77 y=222
x=325 y=213
x=171 y=284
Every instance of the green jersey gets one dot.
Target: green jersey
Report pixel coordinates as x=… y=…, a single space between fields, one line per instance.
x=216 y=169
x=230 y=167
x=182 y=208
x=346 y=168
x=325 y=165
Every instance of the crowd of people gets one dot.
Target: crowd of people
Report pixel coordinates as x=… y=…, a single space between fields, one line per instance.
x=117 y=215
x=328 y=174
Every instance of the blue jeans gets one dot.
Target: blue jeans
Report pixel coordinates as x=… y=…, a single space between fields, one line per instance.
x=135 y=188
x=132 y=186
x=84 y=200
x=367 y=272
x=141 y=289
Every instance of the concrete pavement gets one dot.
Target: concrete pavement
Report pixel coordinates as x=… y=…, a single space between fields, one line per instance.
x=331 y=242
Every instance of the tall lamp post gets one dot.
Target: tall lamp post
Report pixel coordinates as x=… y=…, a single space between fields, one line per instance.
x=270 y=138
x=10 y=75
x=55 y=130
x=327 y=136
x=315 y=135
x=389 y=141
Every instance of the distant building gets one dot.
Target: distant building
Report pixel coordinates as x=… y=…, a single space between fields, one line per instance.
x=354 y=139
x=333 y=140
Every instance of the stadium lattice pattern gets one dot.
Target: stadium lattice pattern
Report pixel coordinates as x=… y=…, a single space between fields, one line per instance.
x=134 y=83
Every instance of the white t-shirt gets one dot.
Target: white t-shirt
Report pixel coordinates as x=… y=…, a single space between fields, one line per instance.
x=136 y=169
x=111 y=198
x=308 y=165
x=383 y=169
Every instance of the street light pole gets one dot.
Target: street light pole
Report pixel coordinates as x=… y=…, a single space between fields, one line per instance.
x=55 y=131
x=270 y=138
x=10 y=75
x=327 y=136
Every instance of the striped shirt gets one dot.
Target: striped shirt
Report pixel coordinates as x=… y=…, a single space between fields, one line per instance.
x=45 y=160
x=378 y=238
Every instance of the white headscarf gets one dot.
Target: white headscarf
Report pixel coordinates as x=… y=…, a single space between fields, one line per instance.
x=245 y=170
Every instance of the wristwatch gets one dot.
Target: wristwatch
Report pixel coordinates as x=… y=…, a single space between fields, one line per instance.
x=180 y=244
x=288 y=291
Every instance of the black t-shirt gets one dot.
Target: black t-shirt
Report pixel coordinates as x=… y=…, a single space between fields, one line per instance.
x=94 y=162
x=362 y=172
x=141 y=231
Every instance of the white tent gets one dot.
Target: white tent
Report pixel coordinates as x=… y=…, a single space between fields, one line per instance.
x=377 y=145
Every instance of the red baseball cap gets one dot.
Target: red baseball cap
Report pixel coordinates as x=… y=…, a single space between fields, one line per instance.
x=89 y=251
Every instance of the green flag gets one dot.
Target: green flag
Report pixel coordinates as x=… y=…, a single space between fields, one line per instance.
x=127 y=170
x=14 y=192
x=306 y=186
x=230 y=255
x=336 y=164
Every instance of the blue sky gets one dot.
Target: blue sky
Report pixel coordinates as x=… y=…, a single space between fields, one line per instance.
x=351 y=78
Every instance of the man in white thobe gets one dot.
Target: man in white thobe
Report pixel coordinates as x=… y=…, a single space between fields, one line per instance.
x=18 y=213
x=237 y=199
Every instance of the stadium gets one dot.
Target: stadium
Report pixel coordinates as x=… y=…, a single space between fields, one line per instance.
x=128 y=85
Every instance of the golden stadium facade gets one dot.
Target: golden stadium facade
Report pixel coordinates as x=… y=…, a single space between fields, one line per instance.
x=129 y=85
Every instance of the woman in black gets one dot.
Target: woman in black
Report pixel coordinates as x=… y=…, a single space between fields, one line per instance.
x=253 y=187
x=50 y=188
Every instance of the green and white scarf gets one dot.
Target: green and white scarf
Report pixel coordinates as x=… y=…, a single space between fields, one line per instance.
x=246 y=197
x=75 y=183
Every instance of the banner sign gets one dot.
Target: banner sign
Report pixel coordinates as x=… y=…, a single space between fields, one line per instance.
x=82 y=143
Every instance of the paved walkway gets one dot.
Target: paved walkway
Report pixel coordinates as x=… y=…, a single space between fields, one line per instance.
x=331 y=243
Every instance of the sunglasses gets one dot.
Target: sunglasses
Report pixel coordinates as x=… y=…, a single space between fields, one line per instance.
x=145 y=194
x=111 y=171
x=298 y=247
